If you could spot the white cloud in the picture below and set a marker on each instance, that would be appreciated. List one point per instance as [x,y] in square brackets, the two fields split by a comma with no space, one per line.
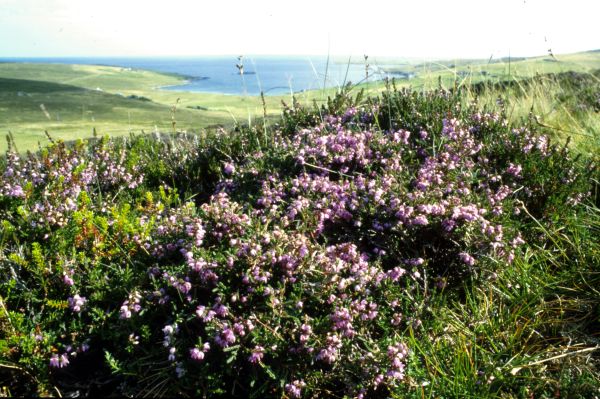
[457,28]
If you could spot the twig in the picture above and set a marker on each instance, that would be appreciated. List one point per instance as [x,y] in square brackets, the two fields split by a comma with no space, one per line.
[7,314]
[540,123]
[515,370]
[329,170]
[9,366]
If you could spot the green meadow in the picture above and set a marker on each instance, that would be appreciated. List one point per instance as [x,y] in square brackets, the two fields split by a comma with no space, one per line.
[70,101]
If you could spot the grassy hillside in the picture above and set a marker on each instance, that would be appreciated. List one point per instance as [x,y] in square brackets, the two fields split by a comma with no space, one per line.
[565,104]
[70,111]
[472,71]
[108,103]
[111,79]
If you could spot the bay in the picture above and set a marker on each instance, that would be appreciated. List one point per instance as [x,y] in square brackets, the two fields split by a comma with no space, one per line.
[273,75]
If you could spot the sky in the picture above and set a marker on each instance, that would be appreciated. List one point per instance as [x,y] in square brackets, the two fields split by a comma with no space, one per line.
[415,28]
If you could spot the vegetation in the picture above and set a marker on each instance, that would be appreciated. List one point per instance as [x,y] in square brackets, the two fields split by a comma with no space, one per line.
[110,103]
[406,244]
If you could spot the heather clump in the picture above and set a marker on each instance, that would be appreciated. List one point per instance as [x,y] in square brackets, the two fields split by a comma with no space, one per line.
[311,259]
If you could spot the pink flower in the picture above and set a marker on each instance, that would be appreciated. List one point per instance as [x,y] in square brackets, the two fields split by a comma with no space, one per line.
[514,170]
[228,169]
[63,360]
[68,280]
[466,258]
[76,303]
[196,354]
[257,354]
[54,362]
[295,388]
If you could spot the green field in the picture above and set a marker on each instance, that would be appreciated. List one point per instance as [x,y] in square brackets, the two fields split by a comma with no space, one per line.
[70,101]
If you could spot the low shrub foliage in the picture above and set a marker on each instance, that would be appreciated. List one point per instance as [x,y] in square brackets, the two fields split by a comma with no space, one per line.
[345,252]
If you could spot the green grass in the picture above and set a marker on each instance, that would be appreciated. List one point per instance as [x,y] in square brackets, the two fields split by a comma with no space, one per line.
[67,112]
[80,98]
[465,71]
[532,327]
[566,104]
[111,79]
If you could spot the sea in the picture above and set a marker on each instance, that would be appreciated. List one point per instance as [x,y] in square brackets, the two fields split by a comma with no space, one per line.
[273,75]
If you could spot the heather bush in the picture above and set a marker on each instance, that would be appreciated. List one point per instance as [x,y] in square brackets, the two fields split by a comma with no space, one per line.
[300,260]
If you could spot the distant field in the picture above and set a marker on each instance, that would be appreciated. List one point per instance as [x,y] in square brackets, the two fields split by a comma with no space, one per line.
[427,74]
[29,107]
[71,100]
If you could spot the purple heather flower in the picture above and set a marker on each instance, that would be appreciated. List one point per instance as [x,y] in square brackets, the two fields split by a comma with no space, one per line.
[180,370]
[172,352]
[64,360]
[257,354]
[17,192]
[68,280]
[295,388]
[420,220]
[378,380]
[514,170]
[124,312]
[225,338]
[228,169]
[54,362]
[414,261]
[466,258]
[221,310]
[196,354]
[76,303]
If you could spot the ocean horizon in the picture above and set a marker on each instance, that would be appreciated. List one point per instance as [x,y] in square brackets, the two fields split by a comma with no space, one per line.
[273,75]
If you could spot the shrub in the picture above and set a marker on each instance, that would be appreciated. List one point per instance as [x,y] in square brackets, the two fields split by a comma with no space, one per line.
[297,261]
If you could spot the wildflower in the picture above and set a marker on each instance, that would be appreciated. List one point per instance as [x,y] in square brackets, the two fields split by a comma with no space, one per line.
[54,361]
[63,360]
[68,280]
[76,303]
[134,339]
[172,352]
[295,388]
[225,338]
[196,354]
[420,220]
[466,258]
[514,170]
[180,370]
[257,354]
[17,192]
[228,169]
[124,312]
